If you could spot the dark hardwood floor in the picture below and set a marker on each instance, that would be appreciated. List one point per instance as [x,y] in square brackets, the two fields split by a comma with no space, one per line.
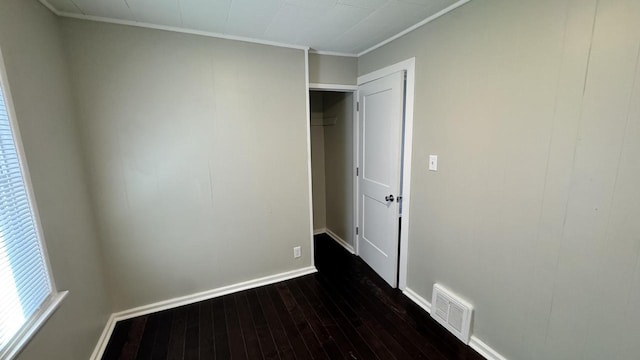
[345,311]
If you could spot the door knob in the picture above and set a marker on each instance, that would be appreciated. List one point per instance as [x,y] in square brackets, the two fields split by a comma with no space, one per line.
[389,198]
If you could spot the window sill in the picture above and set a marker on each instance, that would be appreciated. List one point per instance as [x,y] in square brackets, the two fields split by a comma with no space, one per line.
[30,329]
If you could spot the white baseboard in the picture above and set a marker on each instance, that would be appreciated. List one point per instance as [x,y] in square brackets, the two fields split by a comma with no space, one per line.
[340,241]
[190,299]
[422,302]
[475,343]
[484,349]
[319,231]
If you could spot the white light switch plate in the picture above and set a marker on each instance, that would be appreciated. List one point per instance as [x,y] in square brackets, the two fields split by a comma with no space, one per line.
[433,162]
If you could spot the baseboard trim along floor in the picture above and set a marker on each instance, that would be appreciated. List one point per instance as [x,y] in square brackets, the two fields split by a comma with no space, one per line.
[475,343]
[190,299]
[340,241]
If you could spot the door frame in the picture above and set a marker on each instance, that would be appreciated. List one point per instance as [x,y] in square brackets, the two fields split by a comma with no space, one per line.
[353,89]
[408,66]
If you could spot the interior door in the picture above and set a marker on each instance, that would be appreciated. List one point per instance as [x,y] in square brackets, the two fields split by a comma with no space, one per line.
[380,119]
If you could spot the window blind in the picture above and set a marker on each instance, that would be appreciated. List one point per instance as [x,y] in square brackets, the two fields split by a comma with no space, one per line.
[24,279]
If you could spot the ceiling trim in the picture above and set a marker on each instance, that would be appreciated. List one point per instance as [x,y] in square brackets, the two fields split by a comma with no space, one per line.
[442,12]
[332,53]
[181,30]
[450,8]
[50,7]
[171,28]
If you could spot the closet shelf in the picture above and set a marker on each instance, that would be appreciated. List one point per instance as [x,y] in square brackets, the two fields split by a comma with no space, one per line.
[323,121]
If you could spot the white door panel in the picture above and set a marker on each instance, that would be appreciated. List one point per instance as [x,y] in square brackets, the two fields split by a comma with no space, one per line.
[379,145]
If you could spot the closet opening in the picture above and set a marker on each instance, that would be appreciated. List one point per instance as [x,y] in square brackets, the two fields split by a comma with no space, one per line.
[332,116]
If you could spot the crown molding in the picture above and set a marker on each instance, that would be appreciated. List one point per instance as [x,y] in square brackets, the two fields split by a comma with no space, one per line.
[50,7]
[182,30]
[170,28]
[332,53]
[444,11]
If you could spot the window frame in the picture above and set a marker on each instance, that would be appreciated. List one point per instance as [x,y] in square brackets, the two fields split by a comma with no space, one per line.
[33,324]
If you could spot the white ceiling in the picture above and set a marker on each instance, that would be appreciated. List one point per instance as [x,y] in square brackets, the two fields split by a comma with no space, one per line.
[341,26]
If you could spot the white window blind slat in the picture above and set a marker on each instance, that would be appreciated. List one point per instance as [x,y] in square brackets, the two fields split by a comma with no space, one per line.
[14,209]
[16,224]
[27,233]
[30,267]
[35,294]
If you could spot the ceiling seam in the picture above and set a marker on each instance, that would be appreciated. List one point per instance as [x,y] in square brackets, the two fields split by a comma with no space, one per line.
[226,18]
[282,5]
[359,22]
[180,11]
[310,30]
[51,8]
[77,6]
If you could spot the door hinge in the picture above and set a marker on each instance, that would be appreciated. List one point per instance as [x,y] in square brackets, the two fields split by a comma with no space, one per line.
[358,106]
[357,171]
[357,230]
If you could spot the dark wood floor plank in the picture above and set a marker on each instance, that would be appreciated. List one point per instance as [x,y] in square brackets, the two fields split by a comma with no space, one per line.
[348,326]
[161,343]
[343,311]
[308,336]
[382,333]
[285,351]
[357,284]
[378,297]
[178,333]
[332,339]
[382,317]
[363,334]
[236,340]
[288,324]
[251,342]
[265,337]
[378,291]
[131,346]
[220,333]
[192,340]
[383,297]
[149,337]
[205,327]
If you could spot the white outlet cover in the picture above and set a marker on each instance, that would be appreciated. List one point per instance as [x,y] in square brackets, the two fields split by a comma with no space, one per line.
[297,252]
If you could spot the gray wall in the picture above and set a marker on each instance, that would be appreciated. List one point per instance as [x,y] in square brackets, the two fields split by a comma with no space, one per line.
[534,110]
[197,154]
[38,77]
[329,69]
[338,154]
[317,161]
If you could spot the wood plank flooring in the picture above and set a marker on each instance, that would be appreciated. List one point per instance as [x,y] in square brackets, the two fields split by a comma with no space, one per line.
[345,311]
